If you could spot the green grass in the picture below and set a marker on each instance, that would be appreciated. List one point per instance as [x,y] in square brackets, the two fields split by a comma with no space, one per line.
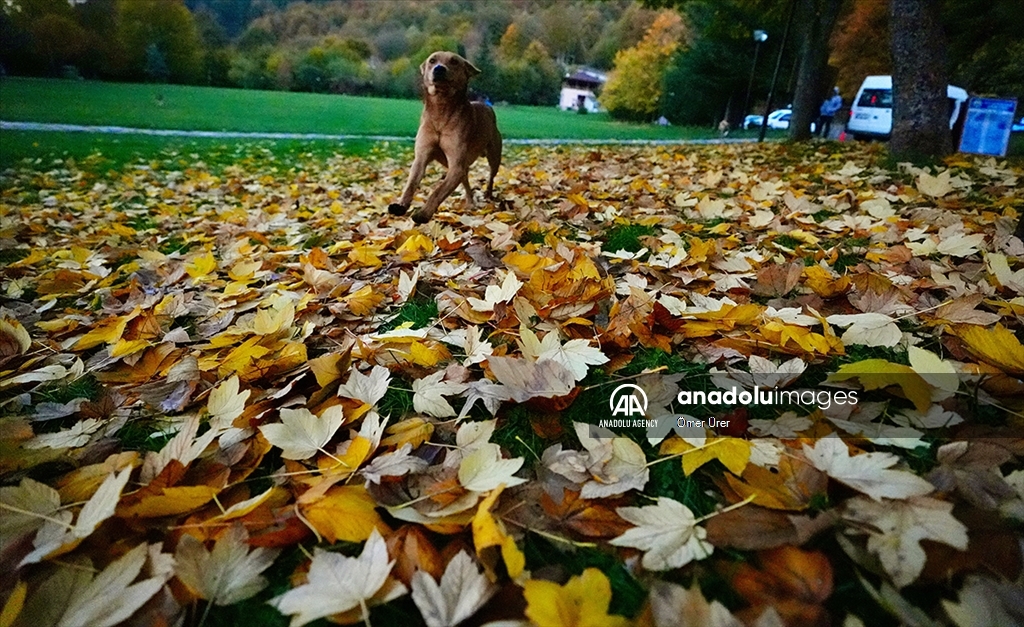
[99,152]
[219,109]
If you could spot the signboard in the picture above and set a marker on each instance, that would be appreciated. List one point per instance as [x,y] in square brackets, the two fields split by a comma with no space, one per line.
[987,126]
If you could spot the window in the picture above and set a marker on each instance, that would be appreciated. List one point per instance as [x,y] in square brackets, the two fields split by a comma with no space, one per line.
[876,98]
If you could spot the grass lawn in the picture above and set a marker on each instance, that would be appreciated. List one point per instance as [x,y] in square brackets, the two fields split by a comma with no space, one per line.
[217,109]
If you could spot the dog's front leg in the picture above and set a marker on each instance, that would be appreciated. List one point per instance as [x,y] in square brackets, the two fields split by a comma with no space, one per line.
[457,173]
[419,166]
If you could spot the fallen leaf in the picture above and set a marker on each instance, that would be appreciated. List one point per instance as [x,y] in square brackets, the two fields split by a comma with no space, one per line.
[337,584]
[870,473]
[461,592]
[582,602]
[895,529]
[667,532]
[300,434]
[229,573]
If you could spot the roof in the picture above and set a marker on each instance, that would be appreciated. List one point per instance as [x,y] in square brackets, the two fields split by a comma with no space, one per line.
[587,76]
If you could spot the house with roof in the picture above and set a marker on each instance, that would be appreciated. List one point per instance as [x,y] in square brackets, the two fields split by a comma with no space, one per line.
[580,88]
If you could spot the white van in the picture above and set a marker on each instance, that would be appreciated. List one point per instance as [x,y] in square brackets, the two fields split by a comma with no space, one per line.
[871,113]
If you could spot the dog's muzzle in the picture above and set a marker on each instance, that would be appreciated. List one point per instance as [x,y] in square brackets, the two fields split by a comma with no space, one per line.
[439,73]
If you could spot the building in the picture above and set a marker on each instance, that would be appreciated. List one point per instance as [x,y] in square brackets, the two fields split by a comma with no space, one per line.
[579,87]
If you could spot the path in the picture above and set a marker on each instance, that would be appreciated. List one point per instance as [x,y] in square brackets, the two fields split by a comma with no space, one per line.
[123,130]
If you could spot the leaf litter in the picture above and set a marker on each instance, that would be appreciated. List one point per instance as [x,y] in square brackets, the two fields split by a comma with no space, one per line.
[210,371]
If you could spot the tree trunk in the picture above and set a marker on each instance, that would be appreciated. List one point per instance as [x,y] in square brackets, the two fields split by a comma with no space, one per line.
[819,19]
[920,115]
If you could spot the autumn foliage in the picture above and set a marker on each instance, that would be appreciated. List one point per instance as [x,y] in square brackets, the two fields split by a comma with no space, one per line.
[243,389]
[633,90]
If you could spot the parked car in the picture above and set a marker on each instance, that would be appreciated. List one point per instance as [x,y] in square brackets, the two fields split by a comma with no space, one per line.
[779,120]
[753,121]
[1018,127]
[871,113]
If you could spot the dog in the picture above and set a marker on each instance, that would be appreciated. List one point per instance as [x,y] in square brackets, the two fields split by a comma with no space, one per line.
[453,131]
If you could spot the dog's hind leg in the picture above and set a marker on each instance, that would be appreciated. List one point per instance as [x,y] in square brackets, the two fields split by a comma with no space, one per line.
[494,161]
[469,192]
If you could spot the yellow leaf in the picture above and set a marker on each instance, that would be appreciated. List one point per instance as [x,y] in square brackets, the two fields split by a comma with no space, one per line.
[107,332]
[170,502]
[243,270]
[995,345]
[427,355]
[413,247]
[81,483]
[239,359]
[13,605]
[488,532]
[325,368]
[359,448]
[414,431]
[14,339]
[582,602]
[274,319]
[366,255]
[201,266]
[125,347]
[364,300]
[345,513]
[879,373]
[734,453]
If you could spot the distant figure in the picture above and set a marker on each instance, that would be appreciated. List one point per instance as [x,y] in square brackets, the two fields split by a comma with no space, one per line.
[663,121]
[723,128]
[828,110]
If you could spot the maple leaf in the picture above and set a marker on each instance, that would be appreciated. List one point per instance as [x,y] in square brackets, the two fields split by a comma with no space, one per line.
[229,573]
[575,355]
[667,532]
[869,329]
[879,373]
[733,453]
[673,605]
[870,473]
[336,583]
[489,532]
[300,434]
[57,535]
[429,392]
[462,591]
[75,596]
[582,602]
[895,530]
[342,513]
[25,508]
[997,346]
[394,464]
[494,294]
[483,469]
[368,388]
[525,379]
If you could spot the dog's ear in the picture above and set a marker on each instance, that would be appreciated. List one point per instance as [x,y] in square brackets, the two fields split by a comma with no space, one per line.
[471,69]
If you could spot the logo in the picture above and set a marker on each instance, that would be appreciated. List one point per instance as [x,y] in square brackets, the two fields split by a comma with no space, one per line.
[624,400]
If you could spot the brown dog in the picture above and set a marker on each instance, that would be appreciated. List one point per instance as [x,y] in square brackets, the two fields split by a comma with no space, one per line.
[453,131]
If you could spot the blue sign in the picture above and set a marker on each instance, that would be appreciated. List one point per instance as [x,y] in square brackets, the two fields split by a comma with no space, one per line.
[987,126]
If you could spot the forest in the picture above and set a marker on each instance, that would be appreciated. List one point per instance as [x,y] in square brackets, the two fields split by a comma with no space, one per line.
[696,64]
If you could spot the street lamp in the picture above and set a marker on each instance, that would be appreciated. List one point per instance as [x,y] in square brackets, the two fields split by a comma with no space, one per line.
[759,37]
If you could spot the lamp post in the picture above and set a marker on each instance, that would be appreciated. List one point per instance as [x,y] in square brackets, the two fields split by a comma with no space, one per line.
[775,75]
[759,37]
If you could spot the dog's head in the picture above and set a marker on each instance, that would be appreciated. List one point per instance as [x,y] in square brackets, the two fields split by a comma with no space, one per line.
[446,72]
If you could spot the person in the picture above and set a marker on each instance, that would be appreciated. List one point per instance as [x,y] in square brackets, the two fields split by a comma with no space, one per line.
[828,110]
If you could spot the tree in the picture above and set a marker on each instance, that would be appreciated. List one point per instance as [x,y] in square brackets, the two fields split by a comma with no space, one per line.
[633,90]
[920,120]
[168,24]
[860,45]
[819,20]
